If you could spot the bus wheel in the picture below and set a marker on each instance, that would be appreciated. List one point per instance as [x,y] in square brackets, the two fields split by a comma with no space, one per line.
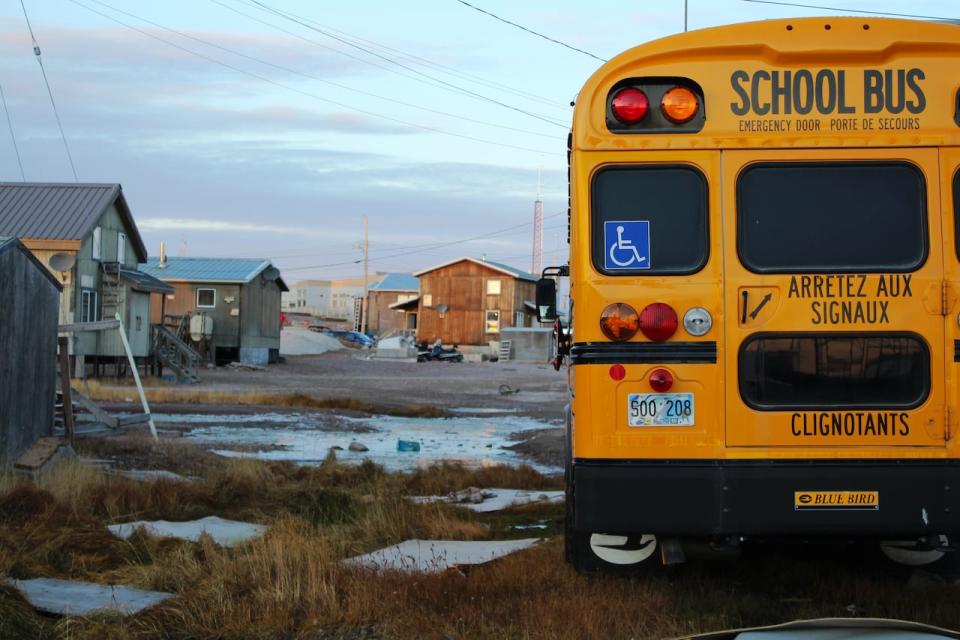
[606,553]
[911,553]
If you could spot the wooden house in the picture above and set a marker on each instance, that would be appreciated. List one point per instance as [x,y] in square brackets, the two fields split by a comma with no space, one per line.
[467,301]
[86,237]
[383,316]
[239,300]
[28,342]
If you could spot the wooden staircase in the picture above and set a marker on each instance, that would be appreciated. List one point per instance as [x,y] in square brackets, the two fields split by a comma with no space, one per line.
[506,346]
[175,354]
[113,299]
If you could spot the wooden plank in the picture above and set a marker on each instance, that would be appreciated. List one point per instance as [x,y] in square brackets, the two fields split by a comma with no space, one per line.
[136,418]
[78,327]
[95,409]
[42,451]
[64,345]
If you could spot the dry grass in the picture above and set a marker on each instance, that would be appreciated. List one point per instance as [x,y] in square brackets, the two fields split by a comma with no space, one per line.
[289,583]
[166,393]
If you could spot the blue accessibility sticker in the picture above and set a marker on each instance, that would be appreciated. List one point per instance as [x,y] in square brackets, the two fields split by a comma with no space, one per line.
[626,245]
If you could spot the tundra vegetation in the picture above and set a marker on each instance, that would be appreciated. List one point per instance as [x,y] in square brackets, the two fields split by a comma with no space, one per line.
[289,583]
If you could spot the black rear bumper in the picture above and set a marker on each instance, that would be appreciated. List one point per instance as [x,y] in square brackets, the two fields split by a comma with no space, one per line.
[752,498]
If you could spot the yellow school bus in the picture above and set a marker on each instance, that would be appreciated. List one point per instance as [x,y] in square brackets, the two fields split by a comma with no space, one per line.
[764,270]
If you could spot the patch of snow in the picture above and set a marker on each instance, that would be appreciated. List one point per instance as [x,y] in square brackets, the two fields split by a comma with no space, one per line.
[224,532]
[295,341]
[502,499]
[434,556]
[68,597]
[152,474]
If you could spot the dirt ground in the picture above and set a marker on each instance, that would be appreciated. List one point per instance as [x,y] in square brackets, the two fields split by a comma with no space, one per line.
[538,390]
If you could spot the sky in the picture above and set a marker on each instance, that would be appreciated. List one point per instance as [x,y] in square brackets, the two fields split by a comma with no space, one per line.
[238,131]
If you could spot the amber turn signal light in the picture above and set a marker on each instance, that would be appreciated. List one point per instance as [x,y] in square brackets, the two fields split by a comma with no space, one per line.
[619,322]
[679,105]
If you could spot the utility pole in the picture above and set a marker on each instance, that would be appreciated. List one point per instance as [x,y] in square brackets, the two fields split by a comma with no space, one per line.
[366,262]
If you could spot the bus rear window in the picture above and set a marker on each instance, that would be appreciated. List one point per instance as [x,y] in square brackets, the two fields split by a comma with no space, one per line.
[835,370]
[839,217]
[649,220]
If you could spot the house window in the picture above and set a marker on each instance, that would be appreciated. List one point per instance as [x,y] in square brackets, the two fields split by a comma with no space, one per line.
[492,321]
[493,287]
[89,309]
[520,320]
[428,299]
[97,253]
[121,248]
[206,298]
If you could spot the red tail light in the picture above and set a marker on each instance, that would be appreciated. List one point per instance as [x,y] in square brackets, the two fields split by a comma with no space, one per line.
[630,105]
[618,372]
[661,380]
[658,321]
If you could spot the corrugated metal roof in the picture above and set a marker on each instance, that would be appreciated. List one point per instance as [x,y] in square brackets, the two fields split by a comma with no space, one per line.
[59,211]
[227,270]
[145,282]
[397,282]
[498,266]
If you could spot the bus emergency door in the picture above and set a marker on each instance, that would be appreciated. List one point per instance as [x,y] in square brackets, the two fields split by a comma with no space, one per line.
[834,294]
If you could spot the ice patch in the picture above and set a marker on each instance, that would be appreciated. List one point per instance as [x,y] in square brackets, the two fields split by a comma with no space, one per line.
[503,499]
[67,597]
[434,556]
[224,532]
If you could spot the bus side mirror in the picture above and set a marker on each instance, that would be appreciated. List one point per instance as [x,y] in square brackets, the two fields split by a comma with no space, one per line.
[546,300]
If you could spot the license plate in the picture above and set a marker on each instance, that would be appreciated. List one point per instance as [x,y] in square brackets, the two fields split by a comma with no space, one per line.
[660,409]
[817,500]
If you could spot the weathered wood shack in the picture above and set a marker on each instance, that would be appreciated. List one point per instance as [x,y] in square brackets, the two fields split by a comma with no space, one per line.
[382,317]
[86,237]
[28,342]
[241,297]
[467,301]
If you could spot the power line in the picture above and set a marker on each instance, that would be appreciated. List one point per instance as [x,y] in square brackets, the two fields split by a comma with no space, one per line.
[873,13]
[262,78]
[43,72]
[423,248]
[450,85]
[531,31]
[16,149]
[317,78]
[404,54]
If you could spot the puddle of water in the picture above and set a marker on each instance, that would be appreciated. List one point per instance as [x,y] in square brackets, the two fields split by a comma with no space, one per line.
[474,441]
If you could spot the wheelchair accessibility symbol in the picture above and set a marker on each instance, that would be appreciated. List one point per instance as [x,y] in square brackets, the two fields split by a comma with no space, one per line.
[627,245]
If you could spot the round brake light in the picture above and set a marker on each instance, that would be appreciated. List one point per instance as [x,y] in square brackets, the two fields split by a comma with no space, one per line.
[619,322]
[658,321]
[630,105]
[679,105]
[661,380]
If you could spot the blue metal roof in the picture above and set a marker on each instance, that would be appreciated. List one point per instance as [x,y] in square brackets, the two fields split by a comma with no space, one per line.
[227,270]
[397,282]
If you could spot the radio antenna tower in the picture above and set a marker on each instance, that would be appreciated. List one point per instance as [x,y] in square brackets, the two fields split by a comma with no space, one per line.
[537,263]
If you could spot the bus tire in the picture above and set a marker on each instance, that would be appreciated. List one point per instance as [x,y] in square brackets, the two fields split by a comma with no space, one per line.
[910,554]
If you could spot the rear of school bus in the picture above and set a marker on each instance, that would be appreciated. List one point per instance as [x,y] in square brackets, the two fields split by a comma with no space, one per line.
[764,281]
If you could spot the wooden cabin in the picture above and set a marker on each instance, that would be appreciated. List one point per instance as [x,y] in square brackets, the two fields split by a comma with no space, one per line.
[467,301]
[86,237]
[382,316]
[28,342]
[239,299]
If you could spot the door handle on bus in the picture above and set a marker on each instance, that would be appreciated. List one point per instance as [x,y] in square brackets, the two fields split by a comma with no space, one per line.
[743,315]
